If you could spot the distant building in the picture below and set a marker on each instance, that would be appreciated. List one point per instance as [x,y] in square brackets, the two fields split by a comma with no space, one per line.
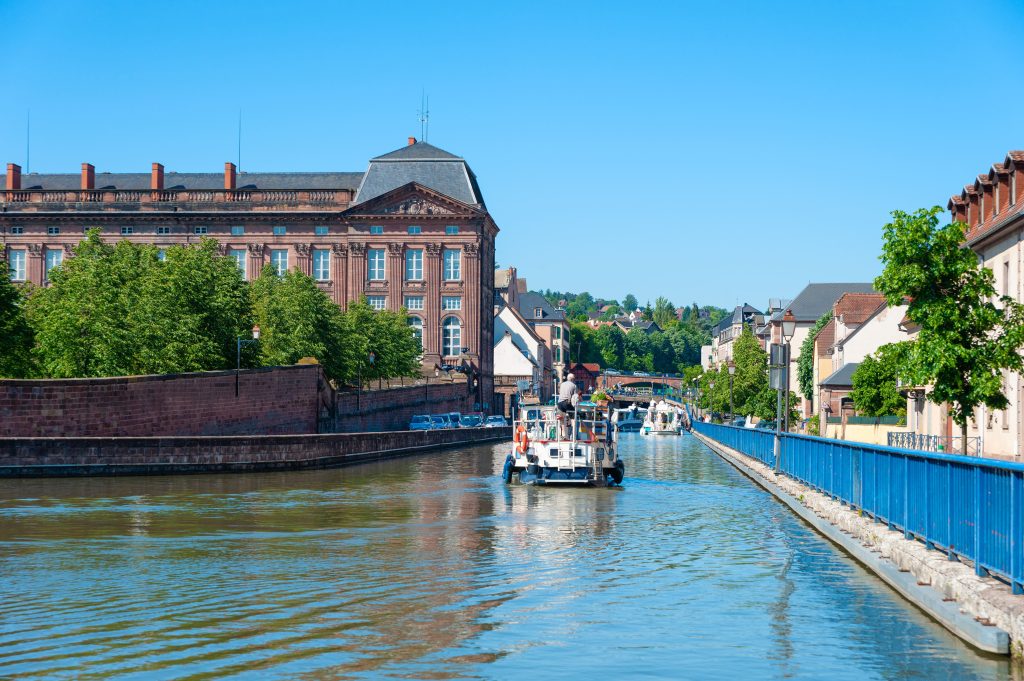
[730,328]
[585,376]
[412,232]
[550,324]
[520,354]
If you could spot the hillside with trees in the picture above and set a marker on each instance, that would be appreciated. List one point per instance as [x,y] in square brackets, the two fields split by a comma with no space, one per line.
[671,350]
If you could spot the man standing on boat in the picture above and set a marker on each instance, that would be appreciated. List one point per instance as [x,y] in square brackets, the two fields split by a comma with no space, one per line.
[567,397]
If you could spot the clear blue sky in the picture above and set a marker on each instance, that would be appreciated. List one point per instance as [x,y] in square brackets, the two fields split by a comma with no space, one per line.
[718,152]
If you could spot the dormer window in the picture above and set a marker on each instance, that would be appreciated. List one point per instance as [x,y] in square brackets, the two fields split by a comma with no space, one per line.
[538,313]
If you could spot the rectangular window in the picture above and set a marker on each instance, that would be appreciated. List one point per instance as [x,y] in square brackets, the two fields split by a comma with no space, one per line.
[279,260]
[280,230]
[413,229]
[1006,278]
[376,229]
[451,229]
[163,230]
[53,231]
[237,230]
[320,230]
[451,302]
[16,265]
[377,302]
[17,230]
[54,257]
[452,265]
[414,302]
[375,264]
[239,255]
[127,231]
[161,254]
[413,265]
[200,230]
[558,333]
[321,264]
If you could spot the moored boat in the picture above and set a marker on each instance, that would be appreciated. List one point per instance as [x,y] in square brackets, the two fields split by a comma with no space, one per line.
[552,448]
[662,419]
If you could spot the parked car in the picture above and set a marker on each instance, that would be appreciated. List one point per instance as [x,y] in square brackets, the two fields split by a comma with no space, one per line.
[439,422]
[495,422]
[640,373]
[455,418]
[421,423]
[766,425]
[739,421]
[474,420]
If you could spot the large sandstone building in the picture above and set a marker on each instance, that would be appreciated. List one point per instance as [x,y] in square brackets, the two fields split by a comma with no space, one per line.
[411,232]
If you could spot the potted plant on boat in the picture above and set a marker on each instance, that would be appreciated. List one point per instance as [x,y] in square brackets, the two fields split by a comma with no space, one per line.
[600,398]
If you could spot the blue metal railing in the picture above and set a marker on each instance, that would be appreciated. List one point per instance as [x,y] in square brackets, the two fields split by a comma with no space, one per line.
[969,508]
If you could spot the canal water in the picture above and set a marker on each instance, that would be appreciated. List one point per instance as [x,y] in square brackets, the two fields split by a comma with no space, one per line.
[430,567]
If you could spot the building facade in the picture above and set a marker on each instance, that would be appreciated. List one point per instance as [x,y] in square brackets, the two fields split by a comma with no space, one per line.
[992,207]
[411,232]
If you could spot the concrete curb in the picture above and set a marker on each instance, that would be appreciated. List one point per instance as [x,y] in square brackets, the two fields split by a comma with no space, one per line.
[899,566]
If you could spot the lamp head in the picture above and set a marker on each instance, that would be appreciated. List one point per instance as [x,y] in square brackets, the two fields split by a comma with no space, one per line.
[788,326]
[732,368]
[256,332]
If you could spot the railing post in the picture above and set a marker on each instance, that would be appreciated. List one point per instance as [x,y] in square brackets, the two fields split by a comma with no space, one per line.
[949,512]
[978,569]
[906,498]
[1014,544]
[888,490]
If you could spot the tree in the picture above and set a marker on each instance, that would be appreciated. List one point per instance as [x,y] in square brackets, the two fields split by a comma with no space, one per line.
[16,337]
[968,335]
[875,383]
[664,313]
[611,344]
[805,362]
[629,303]
[297,320]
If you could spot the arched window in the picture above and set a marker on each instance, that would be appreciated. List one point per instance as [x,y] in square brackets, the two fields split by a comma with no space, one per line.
[417,328]
[451,337]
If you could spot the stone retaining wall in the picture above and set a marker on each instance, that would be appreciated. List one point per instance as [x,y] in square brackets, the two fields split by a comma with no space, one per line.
[393,408]
[44,457]
[272,400]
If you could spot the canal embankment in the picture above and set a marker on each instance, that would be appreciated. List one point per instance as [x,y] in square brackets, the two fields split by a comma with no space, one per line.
[79,456]
[982,611]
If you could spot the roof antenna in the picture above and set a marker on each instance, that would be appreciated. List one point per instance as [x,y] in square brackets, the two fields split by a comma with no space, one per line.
[239,140]
[28,141]
[424,116]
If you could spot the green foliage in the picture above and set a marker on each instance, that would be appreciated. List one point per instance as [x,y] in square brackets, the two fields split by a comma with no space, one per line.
[16,337]
[968,336]
[805,362]
[118,310]
[664,313]
[814,425]
[629,303]
[875,383]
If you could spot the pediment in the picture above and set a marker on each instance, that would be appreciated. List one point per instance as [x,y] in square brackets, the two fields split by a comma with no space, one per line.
[413,200]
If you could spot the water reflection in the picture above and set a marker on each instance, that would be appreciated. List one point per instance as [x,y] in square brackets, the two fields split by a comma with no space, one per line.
[430,567]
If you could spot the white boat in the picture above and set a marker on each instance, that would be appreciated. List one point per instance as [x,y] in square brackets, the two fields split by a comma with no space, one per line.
[628,420]
[662,419]
[552,448]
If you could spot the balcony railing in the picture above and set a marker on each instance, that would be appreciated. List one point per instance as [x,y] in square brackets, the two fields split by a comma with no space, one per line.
[227,199]
[933,443]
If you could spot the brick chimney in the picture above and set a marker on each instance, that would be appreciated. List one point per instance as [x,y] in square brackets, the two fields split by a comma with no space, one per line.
[88,176]
[156,178]
[13,177]
[229,176]
[1000,177]
[412,141]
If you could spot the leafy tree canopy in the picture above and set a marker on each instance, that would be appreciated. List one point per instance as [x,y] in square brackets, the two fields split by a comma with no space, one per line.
[875,383]
[805,362]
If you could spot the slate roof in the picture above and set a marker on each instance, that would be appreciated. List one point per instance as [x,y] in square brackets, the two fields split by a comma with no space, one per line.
[842,378]
[205,181]
[425,164]
[529,301]
[817,299]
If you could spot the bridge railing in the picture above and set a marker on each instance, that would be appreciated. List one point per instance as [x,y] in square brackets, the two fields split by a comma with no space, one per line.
[971,509]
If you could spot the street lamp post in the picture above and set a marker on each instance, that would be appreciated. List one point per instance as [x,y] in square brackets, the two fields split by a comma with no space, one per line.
[788,329]
[732,371]
[238,351]
[711,398]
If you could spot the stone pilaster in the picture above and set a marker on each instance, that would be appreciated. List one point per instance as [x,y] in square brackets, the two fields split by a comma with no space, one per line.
[471,278]
[432,304]
[304,259]
[34,267]
[339,273]
[356,270]
[396,274]
[255,261]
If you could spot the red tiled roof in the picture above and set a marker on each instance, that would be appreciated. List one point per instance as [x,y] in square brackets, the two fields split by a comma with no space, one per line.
[1016,155]
[855,308]
[826,337]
